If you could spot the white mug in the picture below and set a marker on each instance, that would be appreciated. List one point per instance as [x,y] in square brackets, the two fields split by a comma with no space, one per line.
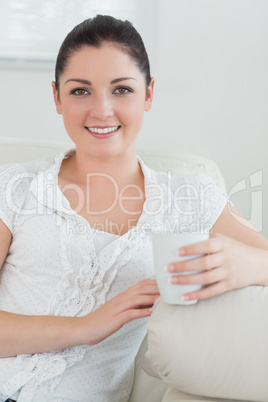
[165,247]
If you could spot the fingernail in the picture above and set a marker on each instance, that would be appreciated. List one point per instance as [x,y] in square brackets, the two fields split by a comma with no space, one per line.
[170,268]
[181,251]
[185,298]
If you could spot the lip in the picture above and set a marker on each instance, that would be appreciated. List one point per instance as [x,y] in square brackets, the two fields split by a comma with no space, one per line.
[105,135]
[116,125]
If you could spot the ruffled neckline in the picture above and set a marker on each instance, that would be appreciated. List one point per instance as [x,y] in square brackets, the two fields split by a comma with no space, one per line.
[46,188]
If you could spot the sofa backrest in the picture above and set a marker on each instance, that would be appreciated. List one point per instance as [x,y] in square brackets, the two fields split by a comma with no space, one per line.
[176,162]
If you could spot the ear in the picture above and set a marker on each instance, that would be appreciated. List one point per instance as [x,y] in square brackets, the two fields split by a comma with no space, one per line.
[149,95]
[56,98]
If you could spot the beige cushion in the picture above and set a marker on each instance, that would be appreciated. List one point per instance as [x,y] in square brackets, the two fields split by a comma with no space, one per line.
[173,395]
[216,348]
[145,387]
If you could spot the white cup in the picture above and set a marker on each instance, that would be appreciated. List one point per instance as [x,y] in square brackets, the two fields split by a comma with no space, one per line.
[165,247]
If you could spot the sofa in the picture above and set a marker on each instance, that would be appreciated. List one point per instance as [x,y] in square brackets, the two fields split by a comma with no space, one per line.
[191,353]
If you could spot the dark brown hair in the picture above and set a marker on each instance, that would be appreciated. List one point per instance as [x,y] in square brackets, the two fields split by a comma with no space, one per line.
[98,30]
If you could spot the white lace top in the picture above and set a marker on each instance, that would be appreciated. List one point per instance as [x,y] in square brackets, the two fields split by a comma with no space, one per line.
[58,265]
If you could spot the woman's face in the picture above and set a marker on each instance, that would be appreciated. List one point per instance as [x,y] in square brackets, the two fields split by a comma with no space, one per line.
[102,97]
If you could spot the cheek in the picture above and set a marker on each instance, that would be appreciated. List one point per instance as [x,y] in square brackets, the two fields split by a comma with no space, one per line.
[73,120]
[73,112]
[133,112]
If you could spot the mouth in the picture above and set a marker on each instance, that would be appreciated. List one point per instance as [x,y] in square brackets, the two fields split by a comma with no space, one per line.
[104,131]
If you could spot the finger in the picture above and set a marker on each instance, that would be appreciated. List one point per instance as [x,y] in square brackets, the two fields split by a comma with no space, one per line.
[213,245]
[145,301]
[145,287]
[205,262]
[135,302]
[148,282]
[207,292]
[134,314]
[203,278]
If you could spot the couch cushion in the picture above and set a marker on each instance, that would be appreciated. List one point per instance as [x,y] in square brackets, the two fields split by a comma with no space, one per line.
[174,395]
[215,348]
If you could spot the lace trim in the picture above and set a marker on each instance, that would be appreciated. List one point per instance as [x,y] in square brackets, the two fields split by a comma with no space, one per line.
[39,368]
[80,291]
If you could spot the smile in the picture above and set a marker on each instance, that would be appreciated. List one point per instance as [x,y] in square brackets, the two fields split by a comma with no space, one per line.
[105,130]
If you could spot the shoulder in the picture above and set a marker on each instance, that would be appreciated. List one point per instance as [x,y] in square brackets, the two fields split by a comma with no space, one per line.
[196,182]
[27,167]
[187,199]
[178,181]
[15,184]
[24,171]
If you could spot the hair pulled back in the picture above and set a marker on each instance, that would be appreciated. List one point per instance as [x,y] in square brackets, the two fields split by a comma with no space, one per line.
[98,30]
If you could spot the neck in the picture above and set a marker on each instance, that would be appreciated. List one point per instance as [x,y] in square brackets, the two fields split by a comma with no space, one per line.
[124,168]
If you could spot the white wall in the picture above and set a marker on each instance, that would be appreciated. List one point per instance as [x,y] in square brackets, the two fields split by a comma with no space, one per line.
[210,61]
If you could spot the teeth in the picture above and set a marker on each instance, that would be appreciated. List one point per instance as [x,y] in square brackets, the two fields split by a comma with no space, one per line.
[103,130]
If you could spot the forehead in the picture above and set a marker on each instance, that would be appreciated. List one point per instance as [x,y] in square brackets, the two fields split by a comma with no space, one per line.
[108,60]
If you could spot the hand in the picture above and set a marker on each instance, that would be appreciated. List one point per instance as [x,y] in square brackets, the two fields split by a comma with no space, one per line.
[135,302]
[227,265]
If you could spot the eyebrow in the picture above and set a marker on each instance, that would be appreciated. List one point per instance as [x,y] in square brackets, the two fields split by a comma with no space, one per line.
[86,82]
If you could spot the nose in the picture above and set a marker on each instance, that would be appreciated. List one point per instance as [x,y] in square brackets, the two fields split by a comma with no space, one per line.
[101,107]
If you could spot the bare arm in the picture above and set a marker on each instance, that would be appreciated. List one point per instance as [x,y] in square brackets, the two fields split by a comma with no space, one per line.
[5,240]
[22,334]
[36,334]
[232,224]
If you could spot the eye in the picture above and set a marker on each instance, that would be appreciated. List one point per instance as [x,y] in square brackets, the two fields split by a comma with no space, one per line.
[80,92]
[122,90]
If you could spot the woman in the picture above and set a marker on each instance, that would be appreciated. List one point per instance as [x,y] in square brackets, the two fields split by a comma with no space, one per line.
[75,232]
